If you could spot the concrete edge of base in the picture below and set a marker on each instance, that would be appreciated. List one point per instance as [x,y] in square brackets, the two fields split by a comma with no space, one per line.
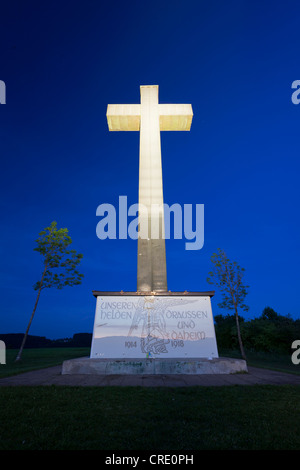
[192,366]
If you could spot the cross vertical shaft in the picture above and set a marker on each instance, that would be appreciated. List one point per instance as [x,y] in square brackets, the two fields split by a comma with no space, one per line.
[151,270]
[149,118]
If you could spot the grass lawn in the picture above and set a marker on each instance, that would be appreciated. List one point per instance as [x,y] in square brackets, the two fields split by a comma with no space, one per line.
[264,360]
[33,359]
[136,418]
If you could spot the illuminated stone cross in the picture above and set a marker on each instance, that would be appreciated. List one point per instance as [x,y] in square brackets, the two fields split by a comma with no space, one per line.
[149,118]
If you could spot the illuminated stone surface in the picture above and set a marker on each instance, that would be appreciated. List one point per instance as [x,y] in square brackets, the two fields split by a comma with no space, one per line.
[156,326]
[149,118]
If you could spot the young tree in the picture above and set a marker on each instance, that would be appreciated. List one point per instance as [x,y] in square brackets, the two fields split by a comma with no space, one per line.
[227,276]
[59,265]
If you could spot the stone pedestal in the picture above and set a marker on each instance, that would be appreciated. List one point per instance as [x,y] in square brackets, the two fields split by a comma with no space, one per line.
[165,333]
[172,366]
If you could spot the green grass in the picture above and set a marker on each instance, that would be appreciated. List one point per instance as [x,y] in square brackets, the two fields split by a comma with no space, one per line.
[33,359]
[136,418]
[264,360]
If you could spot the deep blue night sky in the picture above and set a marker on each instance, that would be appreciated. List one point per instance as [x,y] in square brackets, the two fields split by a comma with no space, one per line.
[64,61]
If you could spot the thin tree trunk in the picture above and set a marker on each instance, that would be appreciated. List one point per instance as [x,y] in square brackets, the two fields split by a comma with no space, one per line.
[236,312]
[18,358]
[239,334]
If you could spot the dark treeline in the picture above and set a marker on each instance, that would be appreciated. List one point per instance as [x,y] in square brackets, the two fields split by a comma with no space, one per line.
[13,341]
[271,332]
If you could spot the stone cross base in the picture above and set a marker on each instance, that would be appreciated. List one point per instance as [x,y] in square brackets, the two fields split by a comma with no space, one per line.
[83,366]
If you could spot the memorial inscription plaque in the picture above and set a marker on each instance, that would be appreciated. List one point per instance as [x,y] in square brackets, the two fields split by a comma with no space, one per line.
[153,326]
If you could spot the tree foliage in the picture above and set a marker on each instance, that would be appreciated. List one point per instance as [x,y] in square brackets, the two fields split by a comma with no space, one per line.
[270,332]
[228,277]
[60,265]
[225,326]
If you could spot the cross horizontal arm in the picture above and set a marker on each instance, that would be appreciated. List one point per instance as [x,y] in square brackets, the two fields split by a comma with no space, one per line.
[123,117]
[175,117]
[127,117]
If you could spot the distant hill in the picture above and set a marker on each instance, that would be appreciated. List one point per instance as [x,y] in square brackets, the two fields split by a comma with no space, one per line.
[14,340]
